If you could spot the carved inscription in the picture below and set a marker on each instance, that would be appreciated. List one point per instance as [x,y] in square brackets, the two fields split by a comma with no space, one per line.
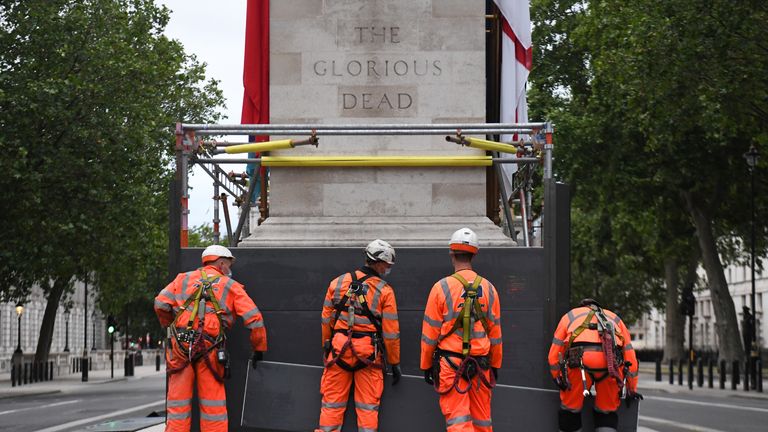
[377,101]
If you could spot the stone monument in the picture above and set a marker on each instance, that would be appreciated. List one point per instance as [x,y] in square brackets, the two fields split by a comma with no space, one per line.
[376,61]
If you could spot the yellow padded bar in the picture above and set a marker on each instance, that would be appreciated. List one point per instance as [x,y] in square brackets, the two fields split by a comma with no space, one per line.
[260,147]
[375,161]
[491,145]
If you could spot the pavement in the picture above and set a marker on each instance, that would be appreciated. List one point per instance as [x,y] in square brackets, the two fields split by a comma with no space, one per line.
[647,381]
[72,382]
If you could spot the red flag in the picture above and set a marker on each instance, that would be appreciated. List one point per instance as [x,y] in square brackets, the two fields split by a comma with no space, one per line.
[256,64]
[256,78]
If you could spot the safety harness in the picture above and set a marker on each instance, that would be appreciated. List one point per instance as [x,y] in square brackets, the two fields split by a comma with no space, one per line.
[354,303]
[607,345]
[468,367]
[192,341]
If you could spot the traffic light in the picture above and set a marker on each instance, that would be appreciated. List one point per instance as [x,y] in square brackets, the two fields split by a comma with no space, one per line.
[111,324]
[688,303]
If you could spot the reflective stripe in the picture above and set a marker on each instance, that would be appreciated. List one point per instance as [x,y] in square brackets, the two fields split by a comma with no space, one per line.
[570,314]
[389,316]
[182,296]
[179,416]
[485,423]
[628,347]
[554,367]
[604,429]
[362,429]
[365,406]
[632,374]
[496,341]
[473,334]
[391,335]
[450,313]
[325,320]
[163,306]
[333,405]
[224,293]
[616,319]
[330,428]
[457,420]
[213,402]
[428,341]
[255,324]
[327,303]
[491,298]
[566,408]
[337,290]
[359,319]
[558,342]
[377,295]
[179,402]
[431,322]
[251,313]
[213,417]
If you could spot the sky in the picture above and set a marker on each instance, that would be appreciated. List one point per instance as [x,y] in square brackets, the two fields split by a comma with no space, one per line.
[214,31]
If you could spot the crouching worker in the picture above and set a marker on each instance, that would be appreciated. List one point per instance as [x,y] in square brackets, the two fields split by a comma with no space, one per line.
[592,347]
[461,347]
[361,334]
[197,307]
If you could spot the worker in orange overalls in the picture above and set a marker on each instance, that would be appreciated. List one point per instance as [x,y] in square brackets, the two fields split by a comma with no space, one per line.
[592,346]
[197,307]
[461,346]
[361,334]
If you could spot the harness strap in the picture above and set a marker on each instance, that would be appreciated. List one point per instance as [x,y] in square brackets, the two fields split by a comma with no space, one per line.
[469,310]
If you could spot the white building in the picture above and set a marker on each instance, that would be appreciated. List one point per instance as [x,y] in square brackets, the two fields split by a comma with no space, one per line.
[649,331]
[32,319]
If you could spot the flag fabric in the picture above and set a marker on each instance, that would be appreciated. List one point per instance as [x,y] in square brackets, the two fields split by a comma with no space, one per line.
[256,76]
[516,62]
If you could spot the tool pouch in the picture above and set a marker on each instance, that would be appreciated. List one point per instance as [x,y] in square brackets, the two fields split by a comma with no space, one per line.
[574,357]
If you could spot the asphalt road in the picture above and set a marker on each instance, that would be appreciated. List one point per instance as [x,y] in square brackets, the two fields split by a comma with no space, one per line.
[683,411]
[76,410]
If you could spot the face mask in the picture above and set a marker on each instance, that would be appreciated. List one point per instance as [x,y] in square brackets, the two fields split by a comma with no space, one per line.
[228,274]
[386,272]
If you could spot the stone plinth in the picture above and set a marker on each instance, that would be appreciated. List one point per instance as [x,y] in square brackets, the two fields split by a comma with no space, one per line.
[375,61]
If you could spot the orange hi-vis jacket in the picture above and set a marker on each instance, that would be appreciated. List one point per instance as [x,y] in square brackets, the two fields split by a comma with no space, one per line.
[445,301]
[232,298]
[381,301]
[593,356]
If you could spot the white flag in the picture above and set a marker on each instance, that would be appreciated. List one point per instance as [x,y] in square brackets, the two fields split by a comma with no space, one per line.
[516,61]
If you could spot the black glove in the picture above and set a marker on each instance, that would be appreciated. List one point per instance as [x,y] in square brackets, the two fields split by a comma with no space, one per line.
[428,377]
[257,357]
[495,372]
[561,383]
[396,374]
[631,395]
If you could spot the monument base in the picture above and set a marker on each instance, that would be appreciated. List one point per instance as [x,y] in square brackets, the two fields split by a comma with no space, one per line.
[431,231]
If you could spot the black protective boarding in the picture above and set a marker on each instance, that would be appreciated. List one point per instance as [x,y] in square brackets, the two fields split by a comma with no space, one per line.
[286,397]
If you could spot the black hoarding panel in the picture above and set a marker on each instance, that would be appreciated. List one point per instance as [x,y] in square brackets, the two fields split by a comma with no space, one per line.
[285,397]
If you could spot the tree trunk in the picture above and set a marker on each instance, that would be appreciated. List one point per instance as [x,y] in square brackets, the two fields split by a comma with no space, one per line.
[49,320]
[673,346]
[726,326]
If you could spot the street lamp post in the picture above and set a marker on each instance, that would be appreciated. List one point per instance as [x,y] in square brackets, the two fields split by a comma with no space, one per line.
[66,330]
[93,333]
[752,156]
[19,312]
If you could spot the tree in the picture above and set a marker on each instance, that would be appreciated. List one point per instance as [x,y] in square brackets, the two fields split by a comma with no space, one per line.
[88,92]
[663,97]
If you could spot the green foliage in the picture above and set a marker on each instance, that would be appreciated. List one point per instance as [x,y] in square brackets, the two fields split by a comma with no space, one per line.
[202,236]
[652,101]
[89,91]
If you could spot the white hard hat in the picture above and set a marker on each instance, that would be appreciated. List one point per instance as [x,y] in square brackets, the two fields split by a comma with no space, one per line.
[379,250]
[464,240]
[214,252]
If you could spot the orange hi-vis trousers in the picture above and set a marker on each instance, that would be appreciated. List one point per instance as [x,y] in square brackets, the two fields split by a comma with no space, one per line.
[465,412]
[335,385]
[210,392]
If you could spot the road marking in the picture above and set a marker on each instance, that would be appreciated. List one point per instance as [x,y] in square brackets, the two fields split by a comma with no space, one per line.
[692,428]
[708,404]
[38,407]
[101,417]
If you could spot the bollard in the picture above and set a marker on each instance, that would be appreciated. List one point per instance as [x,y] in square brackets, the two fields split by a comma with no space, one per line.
[50,377]
[759,375]
[13,375]
[700,370]
[721,372]
[746,375]
[680,372]
[734,375]
[710,366]
[658,370]
[671,372]
[690,374]
[45,371]
[157,362]
[26,370]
